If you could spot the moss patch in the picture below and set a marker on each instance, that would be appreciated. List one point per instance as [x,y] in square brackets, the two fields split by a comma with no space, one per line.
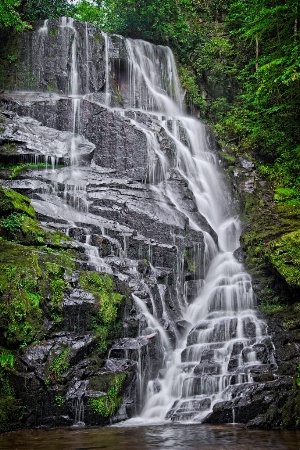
[106,322]
[284,256]
[271,243]
[32,284]
[13,202]
[59,364]
[108,405]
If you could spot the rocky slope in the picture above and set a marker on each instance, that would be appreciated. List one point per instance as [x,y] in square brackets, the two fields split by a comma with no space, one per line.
[55,365]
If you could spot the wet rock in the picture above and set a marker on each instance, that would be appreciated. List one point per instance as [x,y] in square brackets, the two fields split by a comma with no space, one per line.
[207,368]
[187,409]
[251,401]
[233,363]
[193,288]
[239,255]
[183,326]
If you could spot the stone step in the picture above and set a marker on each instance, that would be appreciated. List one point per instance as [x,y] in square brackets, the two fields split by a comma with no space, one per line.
[207,368]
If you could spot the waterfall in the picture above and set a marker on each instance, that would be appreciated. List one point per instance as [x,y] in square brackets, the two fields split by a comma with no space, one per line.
[142,193]
[219,349]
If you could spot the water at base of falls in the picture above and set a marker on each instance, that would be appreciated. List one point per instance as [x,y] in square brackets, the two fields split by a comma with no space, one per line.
[224,343]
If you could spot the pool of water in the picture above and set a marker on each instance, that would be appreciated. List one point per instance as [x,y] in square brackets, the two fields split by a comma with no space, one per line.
[160,437]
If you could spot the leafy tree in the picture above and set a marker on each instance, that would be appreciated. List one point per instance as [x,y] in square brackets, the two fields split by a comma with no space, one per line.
[87,11]
[266,37]
[33,10]
[10,16]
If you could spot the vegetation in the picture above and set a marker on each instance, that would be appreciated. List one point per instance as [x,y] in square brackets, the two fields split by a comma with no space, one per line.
[58,366]
[105,323]
[10,15]
[239,62]
[33,265]
[107,405]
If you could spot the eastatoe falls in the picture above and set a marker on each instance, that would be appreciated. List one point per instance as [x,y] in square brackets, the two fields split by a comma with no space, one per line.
[137,303]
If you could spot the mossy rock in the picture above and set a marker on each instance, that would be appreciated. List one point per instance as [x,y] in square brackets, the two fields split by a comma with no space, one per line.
[21,314]
[284,256]
[109,307]
[32,285]
[13,202]
[8,149]
[270,232]
[112,384]
[10,407]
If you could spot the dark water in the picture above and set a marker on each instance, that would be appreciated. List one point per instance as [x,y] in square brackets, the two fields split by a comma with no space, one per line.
[173,437]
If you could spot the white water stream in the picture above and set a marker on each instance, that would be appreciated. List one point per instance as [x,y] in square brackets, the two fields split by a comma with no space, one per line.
[223,320]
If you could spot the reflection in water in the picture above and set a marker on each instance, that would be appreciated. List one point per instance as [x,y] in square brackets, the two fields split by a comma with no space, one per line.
[172,437]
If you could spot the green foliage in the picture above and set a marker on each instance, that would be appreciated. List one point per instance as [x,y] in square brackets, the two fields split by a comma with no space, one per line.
[20,308]
[32,282]
[17,169]
[108,405]
[59,400]
[55,274]
[10,16]
[11,202]
[101,286]
[272,305]
[87,11]
[33,10]
[7,359]
[297,376]
[284,255]
[59,365]
[265,38]
[13,223]
[105,323]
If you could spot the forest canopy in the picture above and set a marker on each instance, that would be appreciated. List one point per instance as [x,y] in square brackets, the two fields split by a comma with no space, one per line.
[238,60]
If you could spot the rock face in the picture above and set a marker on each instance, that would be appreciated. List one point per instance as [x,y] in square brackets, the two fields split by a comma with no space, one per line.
[94,188]
[118,170]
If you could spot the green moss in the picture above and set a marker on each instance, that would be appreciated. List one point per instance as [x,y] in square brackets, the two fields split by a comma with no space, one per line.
[20,305]
[101,286]
[98,37]
[108,405]
[190,260]
[7,359]
[11,201]
[59,400]
[9,148]
[32,284]
[284,255]
[105,323]
[13,223]
[17,169]
[271,244]
[59,365]
[270,307]
[228,158]
[117,92]
[297,376]
[53,31]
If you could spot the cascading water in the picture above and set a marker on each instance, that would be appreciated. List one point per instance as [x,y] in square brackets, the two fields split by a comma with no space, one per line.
[208,335]
[219,349]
